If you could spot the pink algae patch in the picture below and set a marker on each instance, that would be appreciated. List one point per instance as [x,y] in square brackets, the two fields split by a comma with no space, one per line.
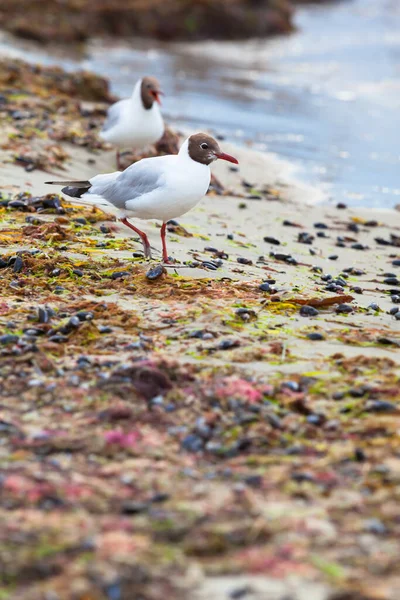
[119,438]
[234,387]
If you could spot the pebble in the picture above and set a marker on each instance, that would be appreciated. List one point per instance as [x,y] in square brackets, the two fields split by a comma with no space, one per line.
[394,310]
[321,234]
[341,205]
[344,308]
[353,227]
[391,281]
[18,264]
[85,315]
[130,507]
[375,526]
[272,240]
[228,344]
[308,311]
[338,396]
[320,226]
[397,316]
[395,299]
[192,443]
[315,336]
[104,329]
[359,455]
[120,274]
[229,236]
[8,338]
[287,258]
[287,223]
[333,257]
[357,289]
[396,262]
[291,385]
[155,272]
[380,406]
[80,221]
[265,287]
[359,247]
[78,272]
[58,338]
[244,261]
[374,306]
[326,277]
[305,238]
[315,419]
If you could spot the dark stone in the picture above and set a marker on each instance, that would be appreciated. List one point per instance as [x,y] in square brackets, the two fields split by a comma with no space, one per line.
[308,311]
[380,406]
[320,226]
[8,338]
[192,443]
[374,306]
[333,257]
[228,344]
[120,274]
[18,264]
[265,287]
[104,329]
[130,507]
[244,261]
[396,262]
[78,272]
[344,308]
[155,272]
[391,281]
[272,240]
[315,336]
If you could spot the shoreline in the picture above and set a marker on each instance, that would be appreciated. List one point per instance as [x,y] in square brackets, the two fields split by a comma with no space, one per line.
[192,434]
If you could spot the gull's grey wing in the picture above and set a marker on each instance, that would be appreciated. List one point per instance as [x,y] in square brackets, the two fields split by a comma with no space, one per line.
[137,180]
[113,114]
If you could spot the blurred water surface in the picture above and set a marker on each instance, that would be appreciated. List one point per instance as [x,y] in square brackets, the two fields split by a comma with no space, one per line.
[326,97]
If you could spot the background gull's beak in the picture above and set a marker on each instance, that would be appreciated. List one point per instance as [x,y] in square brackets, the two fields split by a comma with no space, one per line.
[156,94]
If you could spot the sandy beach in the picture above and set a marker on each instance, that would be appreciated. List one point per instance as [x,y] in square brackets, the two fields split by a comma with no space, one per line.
[230,425]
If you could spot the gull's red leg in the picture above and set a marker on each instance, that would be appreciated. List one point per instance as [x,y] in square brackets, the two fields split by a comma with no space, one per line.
[142,235]
[164,243]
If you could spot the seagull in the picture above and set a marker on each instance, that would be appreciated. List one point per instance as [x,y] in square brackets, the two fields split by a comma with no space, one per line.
[136,121]
[161,187]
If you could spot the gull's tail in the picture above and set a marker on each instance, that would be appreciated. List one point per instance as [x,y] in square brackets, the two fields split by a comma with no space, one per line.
[73,189]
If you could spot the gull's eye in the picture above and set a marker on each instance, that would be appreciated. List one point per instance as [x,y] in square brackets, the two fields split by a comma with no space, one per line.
[204,146]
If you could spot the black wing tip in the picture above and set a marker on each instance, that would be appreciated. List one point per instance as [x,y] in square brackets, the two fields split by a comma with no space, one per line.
[74,192]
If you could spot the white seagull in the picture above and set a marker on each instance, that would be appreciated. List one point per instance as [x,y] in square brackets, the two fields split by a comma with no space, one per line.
[135,122]
[162,187]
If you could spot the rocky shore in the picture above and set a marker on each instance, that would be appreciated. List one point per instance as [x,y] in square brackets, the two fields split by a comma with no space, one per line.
[224,429]
[75,21]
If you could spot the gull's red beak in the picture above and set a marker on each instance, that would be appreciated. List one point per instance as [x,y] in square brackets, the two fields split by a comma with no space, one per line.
[156,95]
[227,157]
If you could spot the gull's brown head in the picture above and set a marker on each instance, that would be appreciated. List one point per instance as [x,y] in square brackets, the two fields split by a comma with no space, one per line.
[204,149]
[150,91]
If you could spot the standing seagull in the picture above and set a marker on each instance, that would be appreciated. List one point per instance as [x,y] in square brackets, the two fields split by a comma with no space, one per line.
[135,122]
[162,187]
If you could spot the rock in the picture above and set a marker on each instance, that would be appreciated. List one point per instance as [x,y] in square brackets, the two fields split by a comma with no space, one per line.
[380,406]
[192,443]
[308,311]
[315,336]
[8,338]
[155,272]
[272,240]
[344,308]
